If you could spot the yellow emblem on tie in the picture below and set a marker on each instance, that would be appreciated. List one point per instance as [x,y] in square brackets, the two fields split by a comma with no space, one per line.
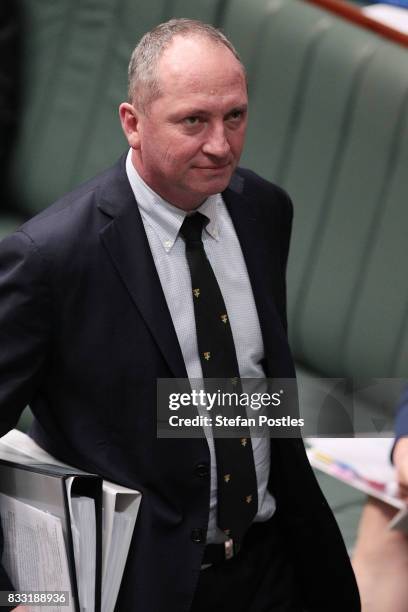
[207,355]
[234,381]
[224,318]
[196,293]
[244,441]
[227,477]
[248,499]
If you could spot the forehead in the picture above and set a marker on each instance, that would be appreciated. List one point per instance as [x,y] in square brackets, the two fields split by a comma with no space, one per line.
[197,65]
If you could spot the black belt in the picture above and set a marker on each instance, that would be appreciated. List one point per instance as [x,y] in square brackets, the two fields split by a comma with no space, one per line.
[217,553]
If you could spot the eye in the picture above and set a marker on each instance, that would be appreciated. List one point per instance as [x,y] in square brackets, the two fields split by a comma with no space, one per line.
[193,120]
[235,115]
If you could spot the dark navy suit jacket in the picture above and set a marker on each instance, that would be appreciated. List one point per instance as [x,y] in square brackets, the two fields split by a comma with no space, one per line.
[401,421]
[85,332]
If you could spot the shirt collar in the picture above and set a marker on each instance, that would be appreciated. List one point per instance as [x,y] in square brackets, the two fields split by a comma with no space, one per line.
[164,218]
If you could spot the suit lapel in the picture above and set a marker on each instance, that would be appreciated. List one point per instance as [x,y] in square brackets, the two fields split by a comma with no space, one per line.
[126,242]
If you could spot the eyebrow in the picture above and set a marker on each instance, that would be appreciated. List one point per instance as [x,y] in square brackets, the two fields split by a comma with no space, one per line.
[193,112]
[240,107]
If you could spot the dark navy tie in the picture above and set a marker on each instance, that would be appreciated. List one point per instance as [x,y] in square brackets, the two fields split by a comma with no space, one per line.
[237,496]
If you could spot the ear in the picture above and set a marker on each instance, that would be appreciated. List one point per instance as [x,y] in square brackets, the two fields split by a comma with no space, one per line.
[129,118]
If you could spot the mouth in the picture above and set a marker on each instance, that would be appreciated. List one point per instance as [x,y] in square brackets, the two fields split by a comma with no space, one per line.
[214,168]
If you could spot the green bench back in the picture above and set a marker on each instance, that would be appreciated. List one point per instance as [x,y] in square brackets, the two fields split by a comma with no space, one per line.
[75,75]
[329,123]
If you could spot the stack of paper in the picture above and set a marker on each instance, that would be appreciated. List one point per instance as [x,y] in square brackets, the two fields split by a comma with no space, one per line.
[362,463]
[35,554]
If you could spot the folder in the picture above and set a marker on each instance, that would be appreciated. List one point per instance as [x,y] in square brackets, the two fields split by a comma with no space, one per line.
[120,507]
[40,508]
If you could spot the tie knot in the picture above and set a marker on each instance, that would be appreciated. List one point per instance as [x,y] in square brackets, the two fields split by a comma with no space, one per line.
[192,228]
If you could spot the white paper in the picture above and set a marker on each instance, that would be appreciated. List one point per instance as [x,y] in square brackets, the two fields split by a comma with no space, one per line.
[370,457]
[371,470]
[34,555]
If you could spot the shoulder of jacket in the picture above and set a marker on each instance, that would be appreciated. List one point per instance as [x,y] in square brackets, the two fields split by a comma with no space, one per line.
[75,211]
[250,183]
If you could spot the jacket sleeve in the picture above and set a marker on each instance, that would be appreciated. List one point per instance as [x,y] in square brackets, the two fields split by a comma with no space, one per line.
[24,333]
[24,325]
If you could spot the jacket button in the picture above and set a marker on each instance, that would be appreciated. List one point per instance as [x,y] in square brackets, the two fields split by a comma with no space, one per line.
[197,535]
[202,470]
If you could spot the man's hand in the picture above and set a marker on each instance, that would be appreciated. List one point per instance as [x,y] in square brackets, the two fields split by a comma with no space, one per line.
[400,458]
[19,609]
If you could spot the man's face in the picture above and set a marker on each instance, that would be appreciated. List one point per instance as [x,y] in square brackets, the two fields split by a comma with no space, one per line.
[190,139]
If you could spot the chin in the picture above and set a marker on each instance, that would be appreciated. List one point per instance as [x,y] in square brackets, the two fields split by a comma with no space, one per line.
[213,189]
[217,184]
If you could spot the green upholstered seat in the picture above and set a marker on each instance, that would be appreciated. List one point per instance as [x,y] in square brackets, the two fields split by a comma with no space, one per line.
[354,209]
[8,225]
[75,65]
[328,121]
[277,63]
[384,328]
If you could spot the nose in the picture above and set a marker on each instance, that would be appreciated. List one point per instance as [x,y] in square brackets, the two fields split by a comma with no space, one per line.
[216,143]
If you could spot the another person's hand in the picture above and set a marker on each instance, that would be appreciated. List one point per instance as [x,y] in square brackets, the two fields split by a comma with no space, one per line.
[400,459]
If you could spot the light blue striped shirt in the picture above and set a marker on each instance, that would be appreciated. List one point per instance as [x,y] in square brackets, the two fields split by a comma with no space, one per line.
[162,222]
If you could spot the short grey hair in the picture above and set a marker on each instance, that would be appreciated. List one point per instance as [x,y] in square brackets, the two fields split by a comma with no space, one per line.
[143,80]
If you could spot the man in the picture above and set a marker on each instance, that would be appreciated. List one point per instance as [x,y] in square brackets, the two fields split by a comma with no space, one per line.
[97,301]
